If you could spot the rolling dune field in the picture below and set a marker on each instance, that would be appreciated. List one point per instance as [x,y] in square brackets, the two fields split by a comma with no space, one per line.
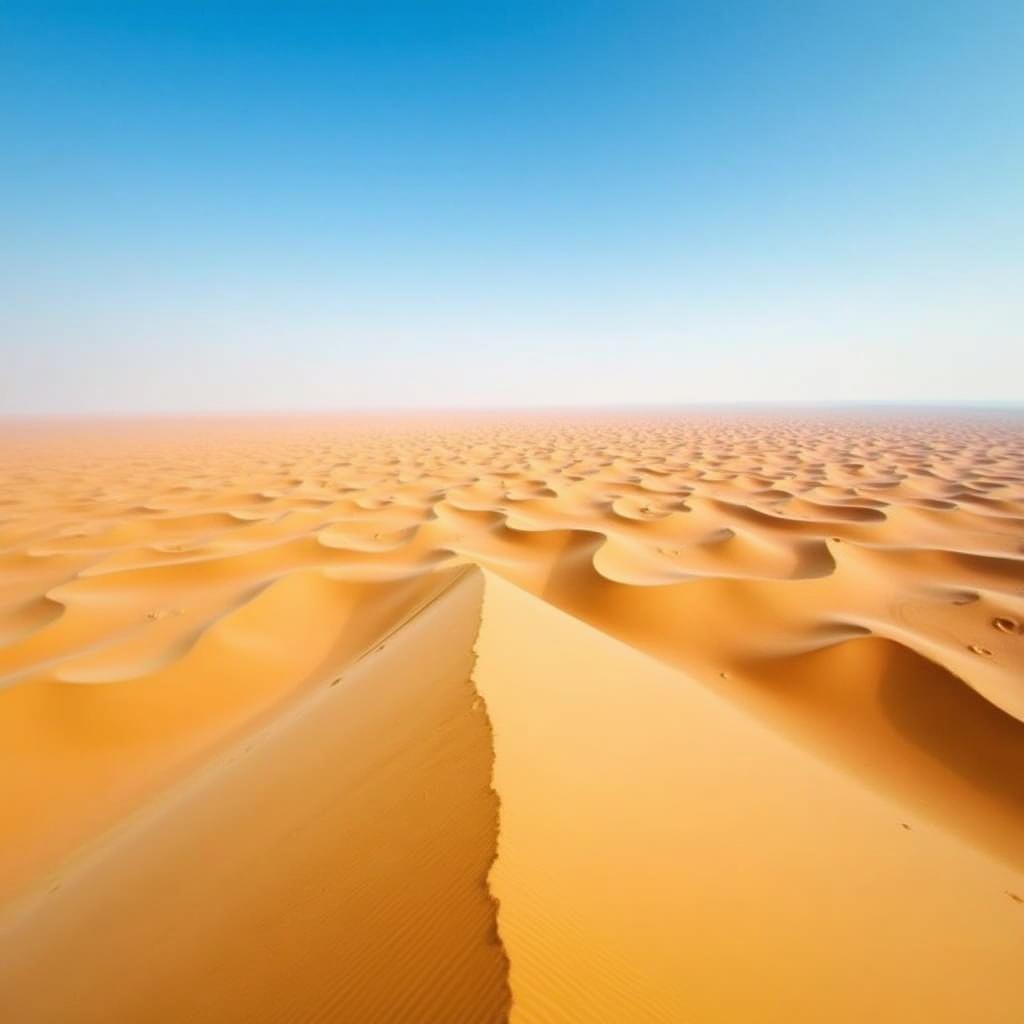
[703,717]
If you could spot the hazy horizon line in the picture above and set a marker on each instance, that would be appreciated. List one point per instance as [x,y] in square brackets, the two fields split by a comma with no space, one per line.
[962,405]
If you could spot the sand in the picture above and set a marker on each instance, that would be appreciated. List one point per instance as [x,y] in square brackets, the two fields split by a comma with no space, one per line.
[540,718]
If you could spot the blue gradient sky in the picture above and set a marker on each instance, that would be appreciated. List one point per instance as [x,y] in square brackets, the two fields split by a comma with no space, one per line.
[213,206]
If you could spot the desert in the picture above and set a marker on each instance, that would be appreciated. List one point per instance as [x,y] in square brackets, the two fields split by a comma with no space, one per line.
[561,717]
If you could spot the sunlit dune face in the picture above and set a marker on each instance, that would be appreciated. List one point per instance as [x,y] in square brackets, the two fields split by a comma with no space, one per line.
[854,583]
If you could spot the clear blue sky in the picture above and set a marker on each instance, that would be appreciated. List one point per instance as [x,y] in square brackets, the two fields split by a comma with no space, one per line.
[213,206]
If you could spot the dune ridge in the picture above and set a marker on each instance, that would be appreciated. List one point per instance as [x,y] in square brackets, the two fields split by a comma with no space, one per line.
[845,591]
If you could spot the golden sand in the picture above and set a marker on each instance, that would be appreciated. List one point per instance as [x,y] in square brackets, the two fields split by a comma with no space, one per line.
[541,718]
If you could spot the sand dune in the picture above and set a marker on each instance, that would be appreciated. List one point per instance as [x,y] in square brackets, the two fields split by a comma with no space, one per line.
[244,741]
[329,864]
[738,879]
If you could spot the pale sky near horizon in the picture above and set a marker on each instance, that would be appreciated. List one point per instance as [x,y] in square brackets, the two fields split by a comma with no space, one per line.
[258,206]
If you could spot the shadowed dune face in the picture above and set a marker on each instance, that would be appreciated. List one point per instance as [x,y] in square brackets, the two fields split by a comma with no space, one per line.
[107,725]
[332,865]
[169,590]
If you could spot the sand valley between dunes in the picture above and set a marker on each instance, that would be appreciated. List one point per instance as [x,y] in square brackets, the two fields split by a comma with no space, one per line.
[568,719]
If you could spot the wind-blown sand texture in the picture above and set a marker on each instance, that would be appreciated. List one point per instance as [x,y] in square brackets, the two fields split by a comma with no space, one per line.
[546,719]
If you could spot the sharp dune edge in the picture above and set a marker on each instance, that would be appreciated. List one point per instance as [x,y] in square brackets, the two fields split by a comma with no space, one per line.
[540,719]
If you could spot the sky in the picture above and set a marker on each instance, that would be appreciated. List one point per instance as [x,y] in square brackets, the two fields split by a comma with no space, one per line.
[218,207]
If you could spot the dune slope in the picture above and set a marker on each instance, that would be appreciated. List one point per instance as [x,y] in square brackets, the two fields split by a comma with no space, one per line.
[329,866]
[662,857]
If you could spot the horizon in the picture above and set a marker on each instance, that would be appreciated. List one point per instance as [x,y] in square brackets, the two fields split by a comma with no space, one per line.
[468,411]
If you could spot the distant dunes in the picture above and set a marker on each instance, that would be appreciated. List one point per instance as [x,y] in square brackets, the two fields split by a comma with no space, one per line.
[542,720]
